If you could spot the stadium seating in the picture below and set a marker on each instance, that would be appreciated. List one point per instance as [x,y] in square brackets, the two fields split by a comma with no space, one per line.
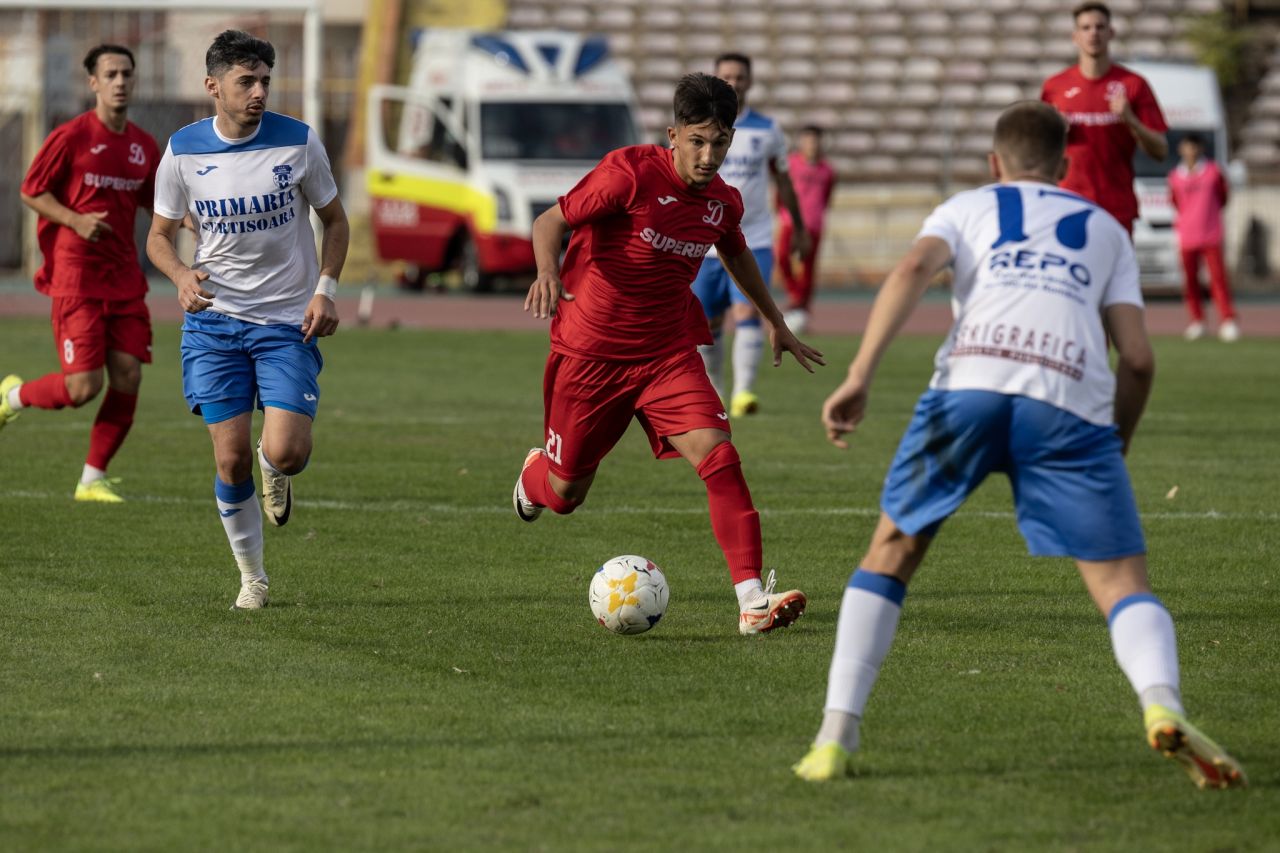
[896,60]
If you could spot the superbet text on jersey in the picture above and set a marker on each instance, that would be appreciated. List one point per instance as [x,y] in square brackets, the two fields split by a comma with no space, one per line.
[90,169]
[639,236]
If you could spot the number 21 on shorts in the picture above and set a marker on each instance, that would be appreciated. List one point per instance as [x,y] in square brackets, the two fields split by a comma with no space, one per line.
[555,444]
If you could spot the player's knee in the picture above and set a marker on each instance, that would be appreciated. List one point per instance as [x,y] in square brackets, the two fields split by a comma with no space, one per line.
[290,459]
[83,387]
[234,467]
[127,378]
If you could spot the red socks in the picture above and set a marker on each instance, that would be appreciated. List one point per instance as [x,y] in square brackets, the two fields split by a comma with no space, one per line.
[47,392]
[733,516]
[112,424]
[538,489]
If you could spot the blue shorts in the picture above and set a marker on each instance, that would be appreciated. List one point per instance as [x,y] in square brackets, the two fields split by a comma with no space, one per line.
[715,288]
[229,365]
[1071,489]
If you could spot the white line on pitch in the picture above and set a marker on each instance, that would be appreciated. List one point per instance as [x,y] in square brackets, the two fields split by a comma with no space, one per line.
[503,509]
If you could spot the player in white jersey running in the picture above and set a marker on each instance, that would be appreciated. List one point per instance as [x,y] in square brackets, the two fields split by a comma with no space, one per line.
[255,297]
[1021,386]
[757,155]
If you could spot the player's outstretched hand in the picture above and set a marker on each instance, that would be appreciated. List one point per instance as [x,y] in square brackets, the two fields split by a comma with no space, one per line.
[843,410]
[321,319]
[191,296]
[785,339]
[91,226]
[544,293]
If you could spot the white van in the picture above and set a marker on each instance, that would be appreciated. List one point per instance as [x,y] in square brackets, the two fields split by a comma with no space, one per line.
[492,128]
[1191,102]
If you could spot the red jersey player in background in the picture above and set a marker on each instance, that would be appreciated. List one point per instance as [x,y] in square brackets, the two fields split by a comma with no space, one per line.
[1110,111]
[627,326]
[87,183]
[814,181]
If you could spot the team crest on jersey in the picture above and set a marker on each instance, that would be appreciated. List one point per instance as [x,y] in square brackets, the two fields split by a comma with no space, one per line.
[1115,87]
[756,144]
[716,212]
[284,175]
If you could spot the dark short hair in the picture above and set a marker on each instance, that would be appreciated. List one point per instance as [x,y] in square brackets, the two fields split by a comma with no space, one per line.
[734,57]
[1091,6]
[812,128]
[91,58]
[1031,136]
[701,98]
[1195,139]
[236,47]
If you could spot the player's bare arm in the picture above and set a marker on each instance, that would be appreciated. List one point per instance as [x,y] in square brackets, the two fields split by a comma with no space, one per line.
[191,295]
[1152,142]
[547,289]
[90,226]
[898,297]
[1135,367]
[801,243]
[742,267]
[321,317]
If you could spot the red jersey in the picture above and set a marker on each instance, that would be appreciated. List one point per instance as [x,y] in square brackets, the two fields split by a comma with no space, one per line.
[90,169]
[1099,145]
[639,236]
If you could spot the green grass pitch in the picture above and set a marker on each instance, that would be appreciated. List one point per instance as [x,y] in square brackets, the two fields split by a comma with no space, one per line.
[429,676]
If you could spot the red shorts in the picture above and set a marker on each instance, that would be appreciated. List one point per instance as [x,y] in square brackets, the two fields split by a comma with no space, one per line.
[589,405]
[84,329]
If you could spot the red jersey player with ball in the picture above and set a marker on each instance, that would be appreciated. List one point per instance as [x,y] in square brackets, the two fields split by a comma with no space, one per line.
[626,327]
[86,183]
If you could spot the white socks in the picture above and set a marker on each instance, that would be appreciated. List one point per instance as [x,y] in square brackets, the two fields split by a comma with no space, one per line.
[1145,646]
[713,360]
[242,520]
[748,343]
[868,621]
[15,402]
[91,474]
[749,592]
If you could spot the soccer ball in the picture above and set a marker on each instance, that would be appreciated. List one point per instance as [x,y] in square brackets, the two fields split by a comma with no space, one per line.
[628,594]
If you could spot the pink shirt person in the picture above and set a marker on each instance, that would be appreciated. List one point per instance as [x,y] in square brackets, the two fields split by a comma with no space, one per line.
[1199,193]
[814,180]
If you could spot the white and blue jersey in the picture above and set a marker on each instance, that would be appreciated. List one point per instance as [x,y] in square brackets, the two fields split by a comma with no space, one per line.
[1022,384]
[758,149]
[250,200]
[1034,267]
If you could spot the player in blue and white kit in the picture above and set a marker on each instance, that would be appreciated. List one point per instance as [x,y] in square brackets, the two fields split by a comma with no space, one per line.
[757,155]
[255,297]
[1021,386]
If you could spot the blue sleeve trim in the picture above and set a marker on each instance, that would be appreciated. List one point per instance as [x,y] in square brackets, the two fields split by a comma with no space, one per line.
[232,494]
[1136,598]
[882,585]
[276,131]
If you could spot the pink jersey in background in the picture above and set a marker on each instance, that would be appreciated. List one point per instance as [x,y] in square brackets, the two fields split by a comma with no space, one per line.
[1199,195]
[813,183]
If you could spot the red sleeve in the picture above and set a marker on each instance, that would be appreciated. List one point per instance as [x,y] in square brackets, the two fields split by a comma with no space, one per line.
[1045,94]
[50,166]
[606,190]
[732,243]
[147,194]
[1147,109]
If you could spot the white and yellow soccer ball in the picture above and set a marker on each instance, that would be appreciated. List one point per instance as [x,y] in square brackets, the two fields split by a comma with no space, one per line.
[628,594]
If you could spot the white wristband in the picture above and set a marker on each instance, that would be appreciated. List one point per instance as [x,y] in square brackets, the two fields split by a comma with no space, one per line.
[328,286]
